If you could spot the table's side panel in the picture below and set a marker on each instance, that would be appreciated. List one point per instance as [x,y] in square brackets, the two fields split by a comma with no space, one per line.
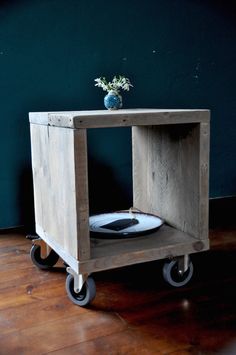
[204,133]
[53,166]
[82,193]
[140,167]
[170,187]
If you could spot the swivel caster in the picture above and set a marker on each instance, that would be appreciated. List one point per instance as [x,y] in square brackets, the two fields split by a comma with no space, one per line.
[43,263]
[85,295]
[175,275]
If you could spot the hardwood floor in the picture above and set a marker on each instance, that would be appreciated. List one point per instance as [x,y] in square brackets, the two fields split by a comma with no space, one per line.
[128,316]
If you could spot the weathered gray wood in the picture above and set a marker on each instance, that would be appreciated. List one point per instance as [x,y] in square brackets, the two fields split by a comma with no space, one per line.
[170,186]
[38,118]
[204,147]
[55,159]
[140,170]
[58,247]
[167,242]
[170,179]
[81,192]
[119,118]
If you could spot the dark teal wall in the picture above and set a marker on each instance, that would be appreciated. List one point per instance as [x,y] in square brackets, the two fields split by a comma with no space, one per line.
[178,54]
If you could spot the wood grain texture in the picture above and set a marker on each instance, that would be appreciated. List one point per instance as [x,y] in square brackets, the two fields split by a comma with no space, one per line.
[54,184]
[128,315]
[119,118]
[167,242]
[167,175]
[81,193]
[58,157]
[170,179]
[204,179]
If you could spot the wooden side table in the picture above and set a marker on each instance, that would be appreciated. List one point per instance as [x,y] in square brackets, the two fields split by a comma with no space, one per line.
[170,150]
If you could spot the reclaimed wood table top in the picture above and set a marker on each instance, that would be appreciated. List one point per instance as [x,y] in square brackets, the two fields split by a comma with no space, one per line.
[119,118]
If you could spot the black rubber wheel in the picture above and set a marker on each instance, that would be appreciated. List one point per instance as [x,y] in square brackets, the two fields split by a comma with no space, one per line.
[41,263]
[85,296]
[174,277]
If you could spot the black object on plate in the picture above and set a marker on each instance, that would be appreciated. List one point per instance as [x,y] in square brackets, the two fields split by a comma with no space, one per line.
[120,224]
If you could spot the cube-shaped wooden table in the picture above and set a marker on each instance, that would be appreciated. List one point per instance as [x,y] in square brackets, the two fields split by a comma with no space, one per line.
[170,150]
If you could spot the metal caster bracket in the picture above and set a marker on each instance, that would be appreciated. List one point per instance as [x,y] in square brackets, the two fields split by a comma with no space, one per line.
[183,263]
[44,247]
[79,279]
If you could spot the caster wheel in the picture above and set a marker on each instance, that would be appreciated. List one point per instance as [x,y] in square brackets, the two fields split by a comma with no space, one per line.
[85,296]
[45,263]
[172,275]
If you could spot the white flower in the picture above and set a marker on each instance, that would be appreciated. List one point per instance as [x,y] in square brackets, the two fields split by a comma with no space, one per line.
[116,84]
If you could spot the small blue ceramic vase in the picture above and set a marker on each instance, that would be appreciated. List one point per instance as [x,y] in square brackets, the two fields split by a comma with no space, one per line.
[113,101]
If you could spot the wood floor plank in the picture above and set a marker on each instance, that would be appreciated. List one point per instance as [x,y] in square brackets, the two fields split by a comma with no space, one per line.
[29,275]
[12,239]
[15,256]
[126,342]
[30,293]
[14,318]
[43,338]
[134,312]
